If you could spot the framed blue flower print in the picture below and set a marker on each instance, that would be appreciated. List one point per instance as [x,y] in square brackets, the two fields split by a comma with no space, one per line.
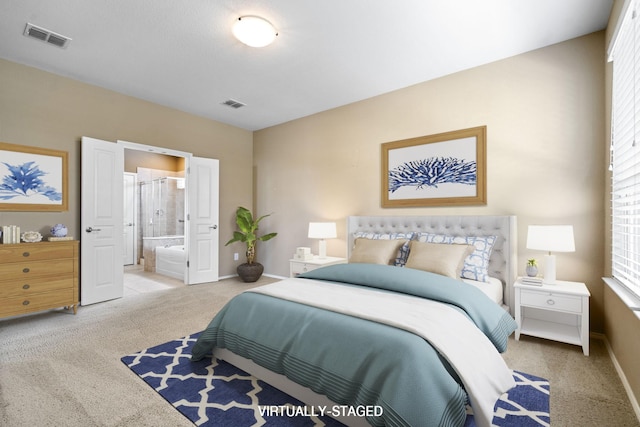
[33,178]
[446,169]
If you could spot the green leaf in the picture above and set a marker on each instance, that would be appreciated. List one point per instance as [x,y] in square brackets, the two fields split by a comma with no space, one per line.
[268,237]
[237,237]
[244,219]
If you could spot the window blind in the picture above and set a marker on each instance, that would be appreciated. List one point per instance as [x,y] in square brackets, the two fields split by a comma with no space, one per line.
[625,152]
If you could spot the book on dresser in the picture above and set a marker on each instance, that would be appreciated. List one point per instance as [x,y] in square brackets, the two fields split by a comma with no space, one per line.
[38,276]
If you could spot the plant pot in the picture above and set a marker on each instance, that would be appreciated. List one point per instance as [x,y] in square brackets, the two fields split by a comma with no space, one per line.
[250,272]
[532,271]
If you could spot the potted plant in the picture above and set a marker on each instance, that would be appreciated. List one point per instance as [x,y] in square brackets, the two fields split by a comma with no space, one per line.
[532,267]
[248,233]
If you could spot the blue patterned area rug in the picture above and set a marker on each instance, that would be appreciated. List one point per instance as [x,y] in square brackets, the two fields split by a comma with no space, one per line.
[215,393]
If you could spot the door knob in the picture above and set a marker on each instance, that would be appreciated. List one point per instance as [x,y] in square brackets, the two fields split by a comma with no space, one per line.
[215,227]
[90,229]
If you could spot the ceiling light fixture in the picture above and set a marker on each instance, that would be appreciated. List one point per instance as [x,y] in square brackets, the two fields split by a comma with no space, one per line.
[254,31]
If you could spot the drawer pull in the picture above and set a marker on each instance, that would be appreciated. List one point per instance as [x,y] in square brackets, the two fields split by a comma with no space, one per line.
[550,301]
[26,302]
[25,270]
[26,286]
[25,254]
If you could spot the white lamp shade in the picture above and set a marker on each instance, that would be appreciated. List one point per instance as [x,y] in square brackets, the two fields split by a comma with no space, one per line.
[551,238]
[322,230]
[254,31]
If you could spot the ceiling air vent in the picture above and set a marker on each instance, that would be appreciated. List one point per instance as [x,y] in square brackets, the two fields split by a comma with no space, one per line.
[233,103]
[46,36]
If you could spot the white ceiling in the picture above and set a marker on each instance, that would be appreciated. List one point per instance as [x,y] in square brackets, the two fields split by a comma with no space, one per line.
[328,52]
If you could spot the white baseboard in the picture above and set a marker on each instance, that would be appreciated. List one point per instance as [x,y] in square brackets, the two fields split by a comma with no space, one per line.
[274,276]
[634,403]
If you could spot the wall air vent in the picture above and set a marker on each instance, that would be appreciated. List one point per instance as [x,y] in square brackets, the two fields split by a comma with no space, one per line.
[233,103]
[46,36]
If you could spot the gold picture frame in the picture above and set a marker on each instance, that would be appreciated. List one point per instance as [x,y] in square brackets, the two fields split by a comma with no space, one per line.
[445,169]
[33,179]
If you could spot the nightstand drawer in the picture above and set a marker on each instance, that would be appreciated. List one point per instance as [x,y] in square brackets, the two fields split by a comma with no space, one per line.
[297,267]
[301,267]
[551,301]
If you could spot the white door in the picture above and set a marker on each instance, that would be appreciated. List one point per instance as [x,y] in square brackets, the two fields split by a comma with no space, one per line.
[101,221]
[129,250]
[202,185]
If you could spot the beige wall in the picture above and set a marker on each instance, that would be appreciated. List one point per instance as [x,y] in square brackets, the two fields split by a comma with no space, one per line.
[621,325]
[45,110]
[544,113]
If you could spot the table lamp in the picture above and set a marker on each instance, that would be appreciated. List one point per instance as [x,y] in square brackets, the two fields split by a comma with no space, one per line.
[322,230]
[550,238]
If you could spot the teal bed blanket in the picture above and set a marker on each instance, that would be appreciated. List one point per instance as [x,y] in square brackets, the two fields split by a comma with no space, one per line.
[495,322]
[355,361]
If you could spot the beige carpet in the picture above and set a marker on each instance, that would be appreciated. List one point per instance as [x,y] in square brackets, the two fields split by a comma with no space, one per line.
[57,369]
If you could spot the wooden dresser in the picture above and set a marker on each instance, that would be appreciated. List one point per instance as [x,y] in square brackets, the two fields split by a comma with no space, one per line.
[38,276]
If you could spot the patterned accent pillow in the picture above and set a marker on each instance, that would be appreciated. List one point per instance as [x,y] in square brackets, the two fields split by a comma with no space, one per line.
[476,265]
[403,252]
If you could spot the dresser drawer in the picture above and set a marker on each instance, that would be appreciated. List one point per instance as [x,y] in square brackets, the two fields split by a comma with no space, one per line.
[28,269]
[35,252]
[551,301]
[18,305]
[33,285]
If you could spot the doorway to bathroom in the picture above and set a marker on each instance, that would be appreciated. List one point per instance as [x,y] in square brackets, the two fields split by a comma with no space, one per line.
[155,210]
[102,218]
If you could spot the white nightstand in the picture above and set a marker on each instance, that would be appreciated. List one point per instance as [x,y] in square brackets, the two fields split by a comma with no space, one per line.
[297,266]
[558,312]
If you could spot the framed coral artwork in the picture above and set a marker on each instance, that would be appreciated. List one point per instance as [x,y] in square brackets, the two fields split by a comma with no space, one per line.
[446,169]
[33,179]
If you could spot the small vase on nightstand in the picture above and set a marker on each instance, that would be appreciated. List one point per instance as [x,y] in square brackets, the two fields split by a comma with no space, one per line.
[532,268]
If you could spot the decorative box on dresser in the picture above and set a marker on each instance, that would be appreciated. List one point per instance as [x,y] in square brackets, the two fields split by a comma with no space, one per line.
[38,276]
[297,266]
[558,312]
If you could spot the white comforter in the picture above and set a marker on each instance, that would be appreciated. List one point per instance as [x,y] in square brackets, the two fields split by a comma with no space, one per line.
[479,365]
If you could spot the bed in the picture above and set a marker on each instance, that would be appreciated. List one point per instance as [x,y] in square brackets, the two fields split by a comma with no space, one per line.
[503,260]
[393,339]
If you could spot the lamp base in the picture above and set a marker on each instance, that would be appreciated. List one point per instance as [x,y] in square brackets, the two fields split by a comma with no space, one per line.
[549,277]
[322,249]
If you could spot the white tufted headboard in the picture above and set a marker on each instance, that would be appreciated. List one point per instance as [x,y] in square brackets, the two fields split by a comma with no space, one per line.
[503,263]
